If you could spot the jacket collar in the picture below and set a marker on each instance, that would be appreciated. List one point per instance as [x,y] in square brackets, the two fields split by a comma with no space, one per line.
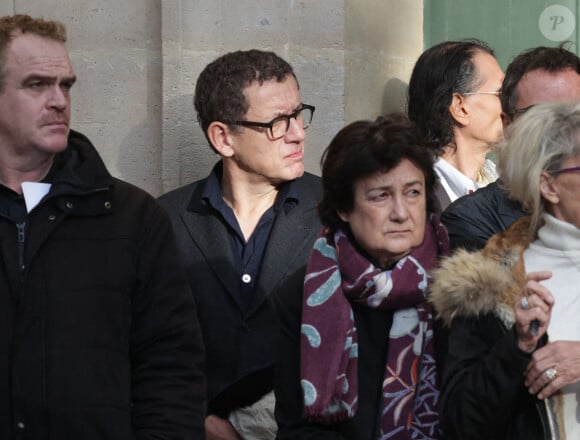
[79,169]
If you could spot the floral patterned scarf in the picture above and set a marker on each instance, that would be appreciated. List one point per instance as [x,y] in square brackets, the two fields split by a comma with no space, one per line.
[337,274]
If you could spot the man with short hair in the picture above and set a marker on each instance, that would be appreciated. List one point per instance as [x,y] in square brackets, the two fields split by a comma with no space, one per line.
[454,102]
[537,75]
[246,230]
[99,337]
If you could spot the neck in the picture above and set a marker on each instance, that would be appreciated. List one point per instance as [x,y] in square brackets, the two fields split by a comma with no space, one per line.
[12,175]
[249,198]
[468,161]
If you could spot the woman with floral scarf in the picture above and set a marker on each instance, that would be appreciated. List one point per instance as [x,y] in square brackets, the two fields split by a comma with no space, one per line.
[359,347]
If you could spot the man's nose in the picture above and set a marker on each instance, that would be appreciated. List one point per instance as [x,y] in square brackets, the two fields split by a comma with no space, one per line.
[296,132]
[58,98]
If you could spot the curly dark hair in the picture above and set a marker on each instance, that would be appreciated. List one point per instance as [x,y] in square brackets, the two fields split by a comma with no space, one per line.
[14,25]
[362,149]
[550,59]
[441,71]
[219,92]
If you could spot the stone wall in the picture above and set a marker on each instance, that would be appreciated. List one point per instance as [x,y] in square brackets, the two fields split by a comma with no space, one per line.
[137,62]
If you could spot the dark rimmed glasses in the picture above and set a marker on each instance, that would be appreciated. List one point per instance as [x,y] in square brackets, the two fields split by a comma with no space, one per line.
[278,127]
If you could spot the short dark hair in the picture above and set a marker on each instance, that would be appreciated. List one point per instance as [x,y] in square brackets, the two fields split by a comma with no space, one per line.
[362,149]
[441,71]
[219,92]
[13,25]
[550,59]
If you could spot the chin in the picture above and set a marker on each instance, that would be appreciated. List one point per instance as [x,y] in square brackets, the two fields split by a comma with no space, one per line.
[297,172]
[56,145]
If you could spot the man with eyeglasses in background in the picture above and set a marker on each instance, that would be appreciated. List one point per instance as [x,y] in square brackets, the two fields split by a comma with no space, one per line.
[537,75]
[245,230]
[453,99]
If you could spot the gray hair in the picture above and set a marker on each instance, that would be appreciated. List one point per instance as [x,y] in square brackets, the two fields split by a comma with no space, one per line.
[541,140]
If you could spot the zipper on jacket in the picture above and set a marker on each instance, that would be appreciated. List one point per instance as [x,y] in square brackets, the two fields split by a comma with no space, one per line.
[21,238]
[550,431]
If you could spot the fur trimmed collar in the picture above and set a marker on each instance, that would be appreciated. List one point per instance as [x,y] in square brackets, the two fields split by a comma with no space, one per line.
[470,284]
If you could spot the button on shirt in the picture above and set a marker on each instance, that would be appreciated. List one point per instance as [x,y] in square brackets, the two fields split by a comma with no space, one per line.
[247,255]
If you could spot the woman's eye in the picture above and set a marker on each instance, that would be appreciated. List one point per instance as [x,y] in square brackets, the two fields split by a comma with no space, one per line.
[379,196]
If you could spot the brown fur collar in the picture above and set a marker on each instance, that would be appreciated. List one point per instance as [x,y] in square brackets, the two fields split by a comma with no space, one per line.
[469,284]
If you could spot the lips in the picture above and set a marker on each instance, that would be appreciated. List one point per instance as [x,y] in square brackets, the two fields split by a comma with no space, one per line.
[297,155]
[57,122]
[57,125]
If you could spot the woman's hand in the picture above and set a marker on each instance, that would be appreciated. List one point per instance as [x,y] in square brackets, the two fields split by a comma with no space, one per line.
[553,366]
[532,311]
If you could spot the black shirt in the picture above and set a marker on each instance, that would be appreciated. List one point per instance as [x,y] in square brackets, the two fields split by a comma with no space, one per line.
[247,254]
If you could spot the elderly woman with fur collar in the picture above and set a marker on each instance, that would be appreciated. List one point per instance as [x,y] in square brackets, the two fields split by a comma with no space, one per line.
[513,366]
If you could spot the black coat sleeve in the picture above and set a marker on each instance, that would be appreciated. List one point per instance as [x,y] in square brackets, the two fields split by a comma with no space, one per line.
[167,356]
[483,387]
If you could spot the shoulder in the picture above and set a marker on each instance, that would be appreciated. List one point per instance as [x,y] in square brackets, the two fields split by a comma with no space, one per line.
[473,218]
[486,198]
[309,186]
[180,198]
[130,195]
[136,203]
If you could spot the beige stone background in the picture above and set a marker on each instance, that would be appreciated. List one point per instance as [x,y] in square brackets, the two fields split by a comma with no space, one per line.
[137,62]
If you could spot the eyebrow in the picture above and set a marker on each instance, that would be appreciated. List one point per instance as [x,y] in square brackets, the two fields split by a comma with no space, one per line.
[406,185]
[285,113]
[41,77]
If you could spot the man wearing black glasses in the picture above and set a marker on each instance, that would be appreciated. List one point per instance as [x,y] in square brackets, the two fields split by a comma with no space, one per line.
[246,229]
[541,74]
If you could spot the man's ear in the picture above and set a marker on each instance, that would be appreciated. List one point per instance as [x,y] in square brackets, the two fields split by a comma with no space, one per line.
[548,188]
[220,136]
[506,120]
[459,109]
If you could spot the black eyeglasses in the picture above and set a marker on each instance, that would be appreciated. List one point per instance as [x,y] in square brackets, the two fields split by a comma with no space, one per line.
[565,170]
[520,111]
[279,126]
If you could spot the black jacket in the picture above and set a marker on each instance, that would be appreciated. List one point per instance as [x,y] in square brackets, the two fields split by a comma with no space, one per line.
[483,392]
[98,335]
[241,340]
[473,218]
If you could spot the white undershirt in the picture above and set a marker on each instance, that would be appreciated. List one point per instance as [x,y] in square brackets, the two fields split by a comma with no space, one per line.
[457,184]
[33,193]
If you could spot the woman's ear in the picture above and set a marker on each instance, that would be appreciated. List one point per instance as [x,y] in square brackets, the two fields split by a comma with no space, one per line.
[220,136]
[459,109]
[343,216]
[549,188]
